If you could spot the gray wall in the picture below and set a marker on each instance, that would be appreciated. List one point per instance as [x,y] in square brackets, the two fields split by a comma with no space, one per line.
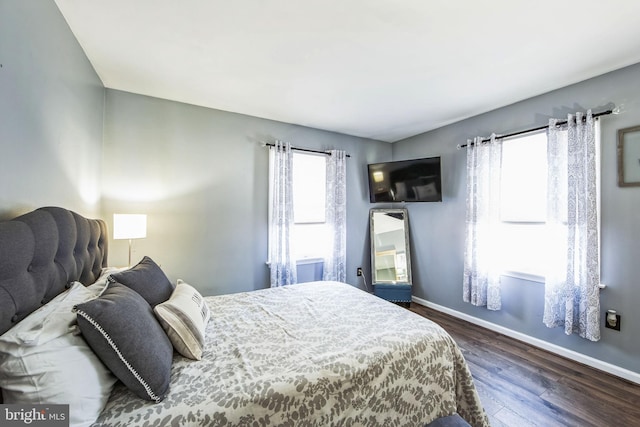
[437,229]
[51,109]
[201,177]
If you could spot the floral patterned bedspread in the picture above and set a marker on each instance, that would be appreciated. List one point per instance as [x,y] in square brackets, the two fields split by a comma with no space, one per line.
[312,354]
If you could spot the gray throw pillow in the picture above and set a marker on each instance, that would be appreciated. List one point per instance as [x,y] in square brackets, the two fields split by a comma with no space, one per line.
[147,279]
[121,329]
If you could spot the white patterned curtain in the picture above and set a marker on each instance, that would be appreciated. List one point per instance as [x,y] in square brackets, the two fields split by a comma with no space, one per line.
[336,217]
[572,293]
[481,286]
[281,262]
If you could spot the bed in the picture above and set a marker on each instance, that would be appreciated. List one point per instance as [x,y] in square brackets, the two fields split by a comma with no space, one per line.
[313,354]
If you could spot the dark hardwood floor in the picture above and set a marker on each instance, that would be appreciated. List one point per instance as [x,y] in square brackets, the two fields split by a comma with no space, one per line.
[521,385]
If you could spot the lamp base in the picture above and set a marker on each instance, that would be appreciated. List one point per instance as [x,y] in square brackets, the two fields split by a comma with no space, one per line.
[129,253]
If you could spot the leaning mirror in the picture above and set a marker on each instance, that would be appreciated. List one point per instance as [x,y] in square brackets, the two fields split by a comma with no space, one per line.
[390,257]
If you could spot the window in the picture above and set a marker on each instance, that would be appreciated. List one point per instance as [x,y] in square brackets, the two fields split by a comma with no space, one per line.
[310,237]
[309,178]
[523,205]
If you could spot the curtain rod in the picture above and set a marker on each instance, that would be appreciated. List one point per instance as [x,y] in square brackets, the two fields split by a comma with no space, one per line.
[307,150]
[560,122]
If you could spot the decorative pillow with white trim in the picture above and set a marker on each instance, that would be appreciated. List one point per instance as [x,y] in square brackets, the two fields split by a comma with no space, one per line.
[184,317]
[44,360]
[121,329]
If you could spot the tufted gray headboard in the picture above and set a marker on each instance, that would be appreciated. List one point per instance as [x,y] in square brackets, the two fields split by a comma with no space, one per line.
[41,252]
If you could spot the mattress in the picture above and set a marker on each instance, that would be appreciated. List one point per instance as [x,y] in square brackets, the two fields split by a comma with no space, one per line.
[313,354]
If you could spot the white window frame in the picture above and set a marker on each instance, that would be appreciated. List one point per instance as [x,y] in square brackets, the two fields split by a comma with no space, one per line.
[310,227]
[529,276]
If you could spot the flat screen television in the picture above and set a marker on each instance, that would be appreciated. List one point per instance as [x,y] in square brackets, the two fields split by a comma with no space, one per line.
[417,180]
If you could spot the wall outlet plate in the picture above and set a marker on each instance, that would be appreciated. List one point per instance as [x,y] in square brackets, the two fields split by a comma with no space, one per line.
[610,325]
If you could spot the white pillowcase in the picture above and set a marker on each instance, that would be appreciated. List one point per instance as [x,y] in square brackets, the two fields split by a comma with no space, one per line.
[101,282]
[43,360]
[184,317]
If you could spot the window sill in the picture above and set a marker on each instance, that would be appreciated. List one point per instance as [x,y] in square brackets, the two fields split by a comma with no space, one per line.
[303,261]
[524,276]
[534,278]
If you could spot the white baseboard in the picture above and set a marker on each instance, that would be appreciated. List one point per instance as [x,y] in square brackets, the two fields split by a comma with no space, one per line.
[556,349]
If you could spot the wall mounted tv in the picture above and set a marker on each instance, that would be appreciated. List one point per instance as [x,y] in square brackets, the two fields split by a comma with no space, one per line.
[417,180]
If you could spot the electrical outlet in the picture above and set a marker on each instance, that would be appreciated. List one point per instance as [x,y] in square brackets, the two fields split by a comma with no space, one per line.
[359,271]
[612,320]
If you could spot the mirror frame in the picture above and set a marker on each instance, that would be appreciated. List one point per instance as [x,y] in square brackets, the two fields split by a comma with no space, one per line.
[405,216]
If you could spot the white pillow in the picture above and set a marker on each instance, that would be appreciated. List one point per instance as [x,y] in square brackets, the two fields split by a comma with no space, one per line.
[101,281]
[184,317]
[44,360]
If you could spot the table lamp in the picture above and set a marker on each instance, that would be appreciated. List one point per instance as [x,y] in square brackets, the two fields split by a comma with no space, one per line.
[129,226]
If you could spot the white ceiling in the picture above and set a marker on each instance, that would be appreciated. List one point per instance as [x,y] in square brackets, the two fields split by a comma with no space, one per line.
[379,69]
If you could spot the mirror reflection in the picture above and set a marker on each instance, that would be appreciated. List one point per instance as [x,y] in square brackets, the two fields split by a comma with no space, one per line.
[390,260]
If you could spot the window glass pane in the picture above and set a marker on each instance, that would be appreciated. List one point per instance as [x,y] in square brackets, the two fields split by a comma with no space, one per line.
[523,248]
[523,196]
[310,241]
[309,172]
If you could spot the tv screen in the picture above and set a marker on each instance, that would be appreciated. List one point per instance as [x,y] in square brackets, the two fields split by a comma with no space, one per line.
[416,180]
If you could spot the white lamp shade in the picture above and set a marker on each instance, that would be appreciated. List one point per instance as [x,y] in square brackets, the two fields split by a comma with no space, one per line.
[129,226]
